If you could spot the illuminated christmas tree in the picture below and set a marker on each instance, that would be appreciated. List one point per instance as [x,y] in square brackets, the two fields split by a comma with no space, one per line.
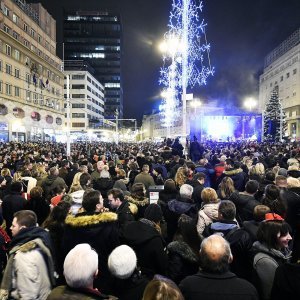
[274,119]
[186,57]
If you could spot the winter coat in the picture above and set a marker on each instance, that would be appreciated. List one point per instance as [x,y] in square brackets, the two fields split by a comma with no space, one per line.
[265,264]
[125,214]
[238,176]
[144,178]
[245,205]
[40,207]
[207,214]
[251,227]
[77,198]
[100,230]
[208,171]
[28,183]
[286,282]
[64,292]
[141,203]
[207,286]
[130,288]
[50,183]
[175,208]
[198,188]
[240,245]
[148,245]
[182,261]
[30,269]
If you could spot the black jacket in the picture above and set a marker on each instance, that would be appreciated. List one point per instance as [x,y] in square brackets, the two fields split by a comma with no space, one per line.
[100,231]
[206,286]
[238,176]
[148,245]
[182,261]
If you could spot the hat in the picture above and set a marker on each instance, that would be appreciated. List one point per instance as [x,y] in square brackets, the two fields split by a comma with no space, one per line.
[283,172]
[272,217]
[153,213]
[122,262]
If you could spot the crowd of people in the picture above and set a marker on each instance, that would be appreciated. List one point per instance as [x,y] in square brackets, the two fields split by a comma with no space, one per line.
[226,223]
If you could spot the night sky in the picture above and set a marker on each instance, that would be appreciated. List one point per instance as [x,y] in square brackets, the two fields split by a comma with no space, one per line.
[241,34]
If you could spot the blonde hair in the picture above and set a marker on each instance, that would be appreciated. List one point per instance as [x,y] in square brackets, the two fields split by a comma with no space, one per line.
[226,187]
[180,177]
[257,169]
[17,176]
[294,167]
[209,195]
[293,182]
[5,172]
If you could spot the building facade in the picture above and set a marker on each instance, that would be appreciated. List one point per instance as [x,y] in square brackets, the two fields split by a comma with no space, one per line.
[86,100]
[31,80]
[282,69]
[96,37]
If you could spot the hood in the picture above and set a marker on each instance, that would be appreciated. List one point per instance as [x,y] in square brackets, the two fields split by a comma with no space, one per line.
[259,247]
[90,220]
[219,226]
[137,233]
[142,201]
[211,210]
[77,196]
[233,172]
[183,250]
[180,207]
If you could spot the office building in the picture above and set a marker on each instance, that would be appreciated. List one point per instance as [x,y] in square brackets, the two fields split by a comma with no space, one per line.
[95,36]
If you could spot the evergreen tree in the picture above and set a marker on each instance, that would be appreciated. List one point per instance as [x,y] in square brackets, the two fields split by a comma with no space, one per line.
[272,118]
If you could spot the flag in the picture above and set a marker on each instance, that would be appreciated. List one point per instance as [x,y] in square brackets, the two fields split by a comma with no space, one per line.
[34,79]
[42,85]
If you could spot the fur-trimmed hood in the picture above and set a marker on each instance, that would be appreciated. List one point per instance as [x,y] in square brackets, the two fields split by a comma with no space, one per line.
[142,201]
[183,250]
[91,220]
[233,172]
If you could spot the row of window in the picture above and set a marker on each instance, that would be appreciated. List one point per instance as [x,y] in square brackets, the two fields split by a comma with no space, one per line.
[287,75]
[30,79]
[37,68]
[16,19]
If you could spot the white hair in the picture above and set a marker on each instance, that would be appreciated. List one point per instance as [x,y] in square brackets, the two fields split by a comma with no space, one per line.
[186,190]
[80,266]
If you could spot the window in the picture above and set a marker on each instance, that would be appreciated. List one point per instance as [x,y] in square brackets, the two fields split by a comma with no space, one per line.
[5,11]
[8,50]
[17,54]
[39,38]
[78,124]
[15,35]
[78,115]
[26,43]
[8,69]
[25,27]
[287,75]
[27,78]
[78,77]
[1,87]
[32,32]
[78,86]
[281,78]
[33,48]
[6,28]
[27,61]
[78,105]
[294,71]
[8,89]
[15,18]
[17,73]
[17,91]
[28,96]
[0,65]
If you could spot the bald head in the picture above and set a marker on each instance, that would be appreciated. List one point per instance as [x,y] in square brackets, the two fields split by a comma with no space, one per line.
[215,254]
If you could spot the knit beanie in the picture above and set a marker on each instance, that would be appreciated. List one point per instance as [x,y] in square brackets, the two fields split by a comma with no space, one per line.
[122,262]
[153,213]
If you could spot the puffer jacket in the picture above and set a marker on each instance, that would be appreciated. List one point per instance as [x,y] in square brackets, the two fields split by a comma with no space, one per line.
[207,214]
